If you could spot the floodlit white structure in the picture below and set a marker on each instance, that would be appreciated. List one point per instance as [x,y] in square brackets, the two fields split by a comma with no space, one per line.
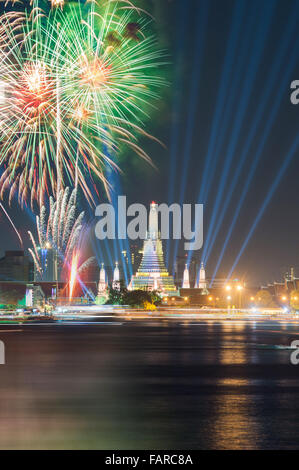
[35,296]
[186,281]
[102,286]
[152,273]
[201,284]
[116,284]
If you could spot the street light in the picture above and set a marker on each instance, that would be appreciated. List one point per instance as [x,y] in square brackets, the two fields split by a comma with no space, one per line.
[239,289]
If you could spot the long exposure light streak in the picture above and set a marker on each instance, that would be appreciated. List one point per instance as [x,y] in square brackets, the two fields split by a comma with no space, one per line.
[244,45]
[183,15]
[229,176]
[275,104]
[267,200]
[199,47]
[12,224]
[237,21]
[119,245]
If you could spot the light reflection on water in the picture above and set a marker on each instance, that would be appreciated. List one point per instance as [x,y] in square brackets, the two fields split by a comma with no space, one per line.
[162,386]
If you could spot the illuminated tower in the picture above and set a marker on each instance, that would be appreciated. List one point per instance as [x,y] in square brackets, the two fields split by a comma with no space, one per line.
[201,284]
[186,282]
[102,286]
[152,273]
[116,284]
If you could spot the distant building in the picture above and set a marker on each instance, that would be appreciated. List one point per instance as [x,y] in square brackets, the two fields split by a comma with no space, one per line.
[50,266]
[13,293]
[133,257]
[16,266]
[35,296]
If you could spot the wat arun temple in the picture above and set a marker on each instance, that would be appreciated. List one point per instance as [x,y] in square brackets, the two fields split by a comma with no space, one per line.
[152,273]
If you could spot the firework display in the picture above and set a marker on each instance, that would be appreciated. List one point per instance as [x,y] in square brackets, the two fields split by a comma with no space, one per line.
[77,83]
[58,231]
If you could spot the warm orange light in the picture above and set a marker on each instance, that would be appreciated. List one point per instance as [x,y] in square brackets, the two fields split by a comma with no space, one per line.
[95,73]
[57,3]
[251,298]
[283,298]
[34,77]
[228,297]
[34,90]
[228,288]
[81,114]
[210,298]
[73,275]
[239,287]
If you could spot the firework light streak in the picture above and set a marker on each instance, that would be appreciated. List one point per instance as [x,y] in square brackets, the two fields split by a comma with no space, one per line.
[12,224]
[73,275]
[78,82]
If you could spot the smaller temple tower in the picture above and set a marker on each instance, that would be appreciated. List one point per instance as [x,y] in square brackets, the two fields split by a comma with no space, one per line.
[102,286]
[186,281]
[201,284]
[116,283]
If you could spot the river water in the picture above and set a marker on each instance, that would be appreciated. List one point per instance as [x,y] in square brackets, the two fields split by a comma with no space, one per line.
[156,384]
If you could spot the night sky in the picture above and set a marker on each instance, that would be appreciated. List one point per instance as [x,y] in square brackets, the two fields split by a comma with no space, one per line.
[225,117]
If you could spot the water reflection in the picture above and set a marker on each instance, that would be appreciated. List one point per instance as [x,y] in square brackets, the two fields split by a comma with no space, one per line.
[211,385]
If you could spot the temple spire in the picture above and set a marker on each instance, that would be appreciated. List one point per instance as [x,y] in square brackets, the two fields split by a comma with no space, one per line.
[201,284]
[153,225]
[115,283]
[186,281]
[152,273]
[102,286]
